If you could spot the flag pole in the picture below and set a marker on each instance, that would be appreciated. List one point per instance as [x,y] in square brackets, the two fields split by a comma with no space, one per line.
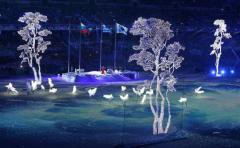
[80,48]
[100,52]
[69,32]
[115,48]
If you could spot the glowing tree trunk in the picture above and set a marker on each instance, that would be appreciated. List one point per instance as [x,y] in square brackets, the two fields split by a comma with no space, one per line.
[169,113]
[159,114]
[35,74]
[217,64]
[36,68]
[218,54]
[39,72]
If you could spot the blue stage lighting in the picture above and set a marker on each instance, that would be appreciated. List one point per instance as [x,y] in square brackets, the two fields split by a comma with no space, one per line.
[232,71]
[213,72]
[223,72]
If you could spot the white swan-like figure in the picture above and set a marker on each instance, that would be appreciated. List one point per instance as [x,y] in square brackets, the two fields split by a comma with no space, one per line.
[124,97]
[123,88]
[182,100]
[139,92]
[149,92]
[144,98]
[11,88]
[51,85]
[198,90]
[92,92]
[34,85]
[53,90]
[108,96]
[74,90]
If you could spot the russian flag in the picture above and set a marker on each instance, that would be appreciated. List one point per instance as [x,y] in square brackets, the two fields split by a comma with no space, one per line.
[83,26]
[84,30]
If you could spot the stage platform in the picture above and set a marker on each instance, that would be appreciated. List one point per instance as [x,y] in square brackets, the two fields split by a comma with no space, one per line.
[97,77]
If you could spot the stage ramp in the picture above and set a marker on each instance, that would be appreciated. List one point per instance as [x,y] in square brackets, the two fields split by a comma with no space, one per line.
[93,77]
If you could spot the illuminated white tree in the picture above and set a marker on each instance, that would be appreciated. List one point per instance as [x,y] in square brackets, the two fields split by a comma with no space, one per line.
[220,33]
[35,46]
[162,60]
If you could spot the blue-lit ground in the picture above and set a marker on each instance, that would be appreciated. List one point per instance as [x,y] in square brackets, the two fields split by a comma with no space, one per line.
[66,120]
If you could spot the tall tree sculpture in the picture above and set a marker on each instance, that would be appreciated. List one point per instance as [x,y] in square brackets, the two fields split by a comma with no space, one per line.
[220,33]
[162,60]
[35,46]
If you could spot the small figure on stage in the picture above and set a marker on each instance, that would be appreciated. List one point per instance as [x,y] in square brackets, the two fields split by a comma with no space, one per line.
[103,70]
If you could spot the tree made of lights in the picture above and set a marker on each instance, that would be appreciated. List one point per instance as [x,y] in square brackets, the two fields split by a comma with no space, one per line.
[161,58]
[35,46]
[220,34]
